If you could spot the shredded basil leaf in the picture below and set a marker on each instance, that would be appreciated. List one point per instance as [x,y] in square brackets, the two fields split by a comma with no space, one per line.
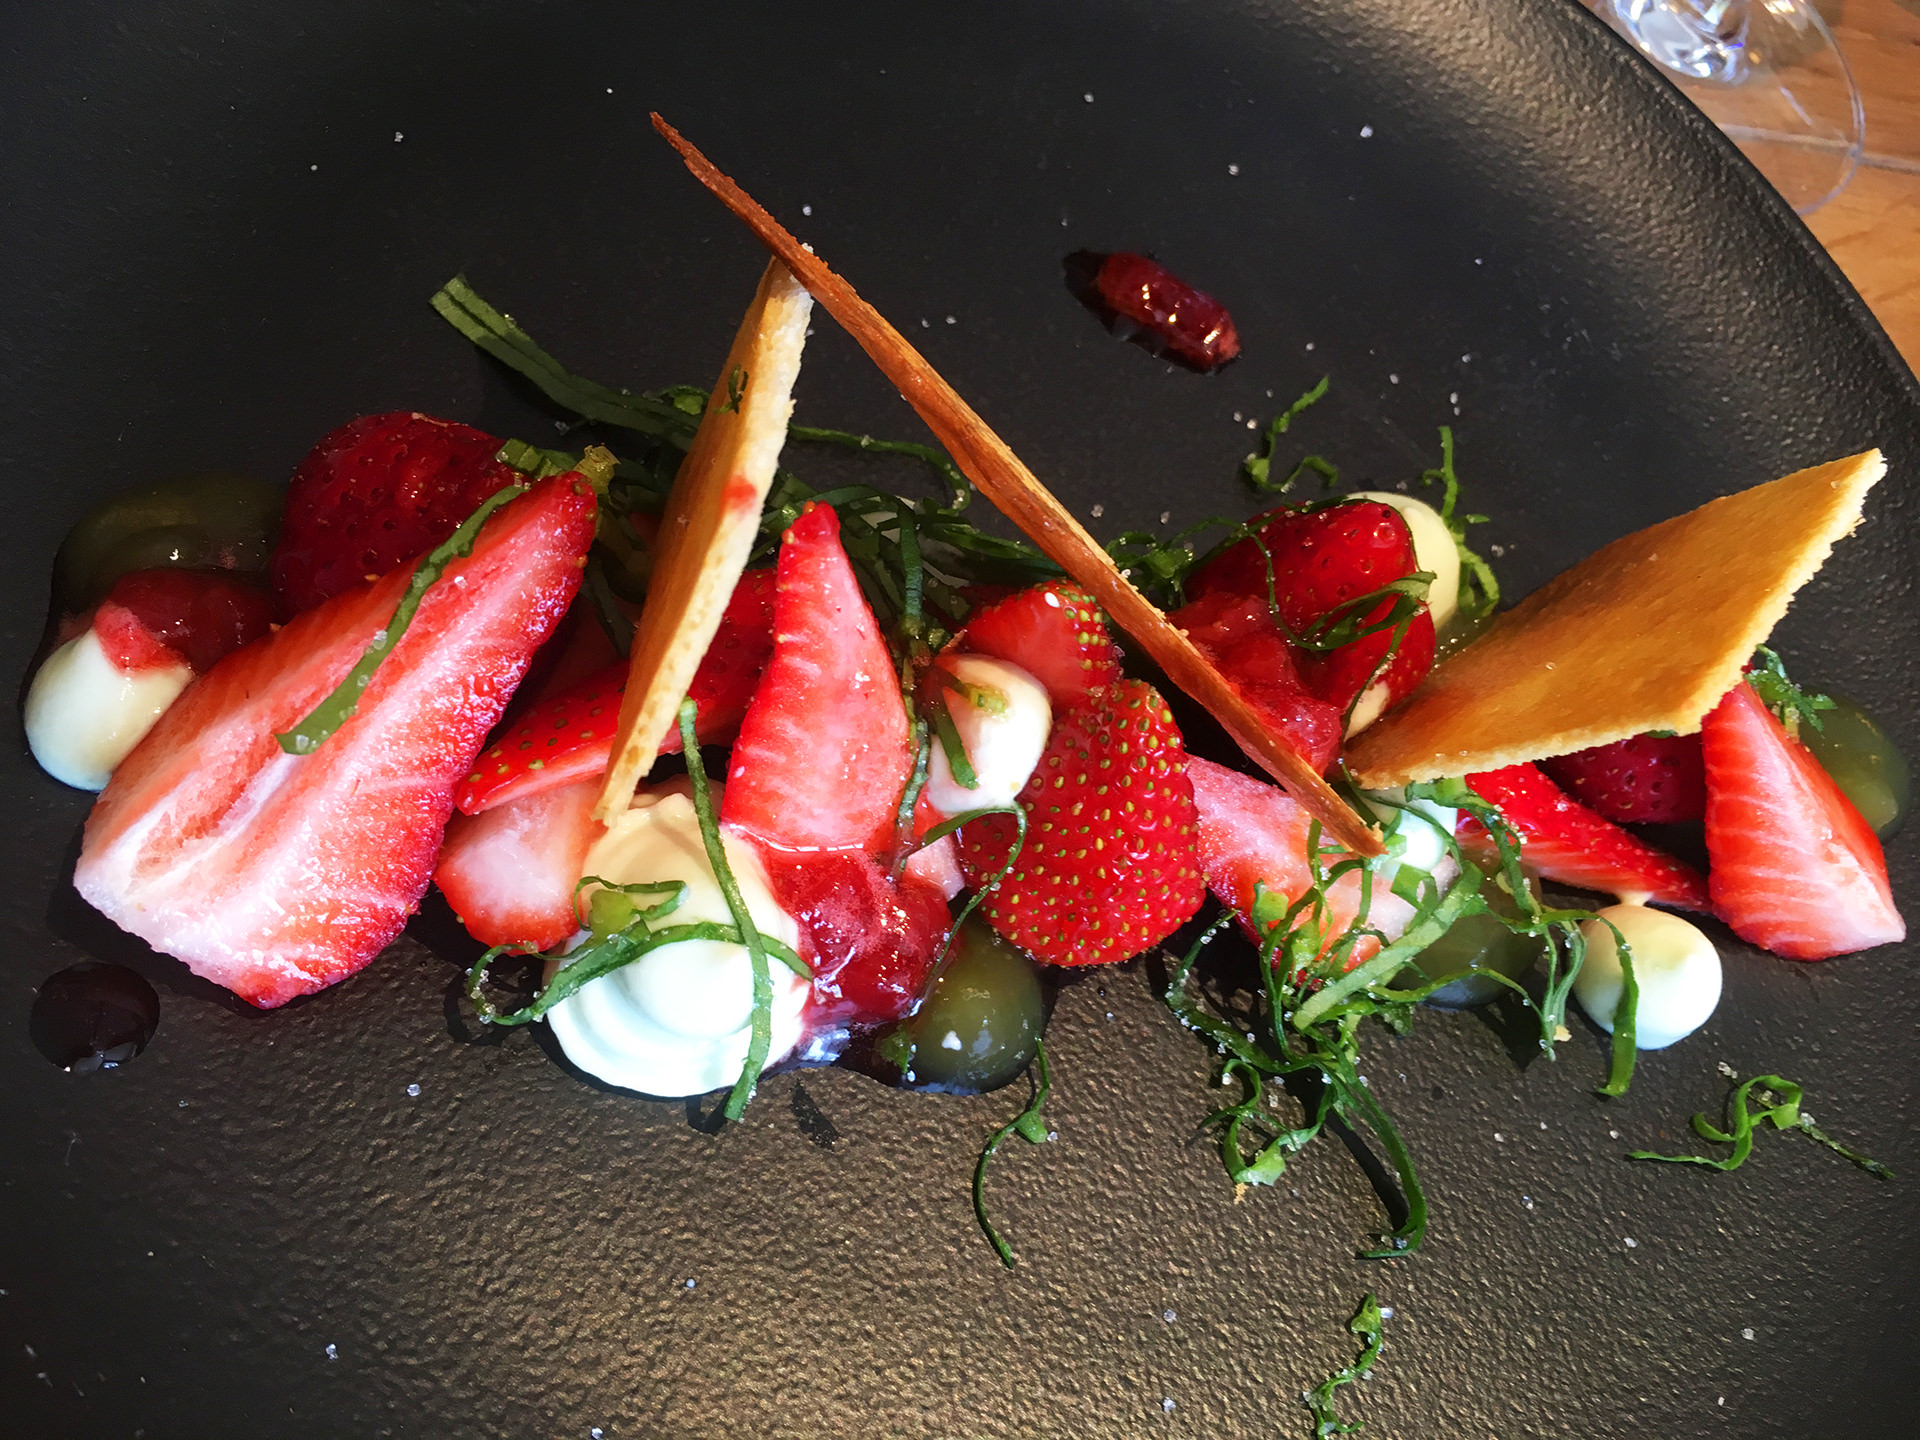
[1779,1107]
[344,703]
[1778,693]
[1367,1323]
[1030,1126]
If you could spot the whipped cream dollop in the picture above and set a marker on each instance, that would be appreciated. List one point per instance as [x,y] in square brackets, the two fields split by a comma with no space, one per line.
[678,1020]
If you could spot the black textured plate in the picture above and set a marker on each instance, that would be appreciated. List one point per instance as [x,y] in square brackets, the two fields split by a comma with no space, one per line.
[223,221]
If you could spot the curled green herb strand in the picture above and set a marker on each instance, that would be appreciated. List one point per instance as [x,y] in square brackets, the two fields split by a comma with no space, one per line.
[1792,705]
[1258,467]
[1779,1107]
[1030,1126]
[1479,590]
[1367,1323]
[950,743]
[1625,1015]
[341,706]
[750,937]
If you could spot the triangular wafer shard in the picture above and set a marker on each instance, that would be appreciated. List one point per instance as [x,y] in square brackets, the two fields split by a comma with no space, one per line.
[1004,480]
[1647,633]
[707,532]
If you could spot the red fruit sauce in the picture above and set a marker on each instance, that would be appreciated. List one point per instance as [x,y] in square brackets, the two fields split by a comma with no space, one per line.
[871,943]
[1189,324]
[164,617]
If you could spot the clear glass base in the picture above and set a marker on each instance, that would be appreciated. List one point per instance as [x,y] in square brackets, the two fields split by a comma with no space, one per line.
[1768,74]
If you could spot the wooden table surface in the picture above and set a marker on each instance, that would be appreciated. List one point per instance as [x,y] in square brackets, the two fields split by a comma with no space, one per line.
[1872,228]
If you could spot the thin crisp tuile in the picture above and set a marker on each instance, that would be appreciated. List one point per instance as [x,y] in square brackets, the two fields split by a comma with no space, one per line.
[1003,479]
[1645,634]
[707,532]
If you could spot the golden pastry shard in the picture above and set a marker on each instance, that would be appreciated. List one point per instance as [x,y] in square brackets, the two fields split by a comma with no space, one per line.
[1646,634]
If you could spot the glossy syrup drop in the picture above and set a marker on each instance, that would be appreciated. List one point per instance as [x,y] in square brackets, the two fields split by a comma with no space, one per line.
[93,1016]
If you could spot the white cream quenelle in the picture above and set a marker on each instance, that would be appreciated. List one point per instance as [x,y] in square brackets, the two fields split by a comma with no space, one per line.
[678,1020]
[84,714]
[1677,968]
[1003,728]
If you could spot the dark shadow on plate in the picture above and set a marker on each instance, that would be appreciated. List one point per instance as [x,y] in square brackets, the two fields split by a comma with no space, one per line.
[812,1120]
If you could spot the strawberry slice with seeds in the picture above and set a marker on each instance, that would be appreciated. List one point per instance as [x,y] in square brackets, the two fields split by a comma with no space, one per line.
[1054,631]
[1109,866]
[569,736]
[277,874]
[375,492]
[1644,779]
[1792,866]
[511,873]
[823,754]
[1563,840]
[1253,834]
[1238,634]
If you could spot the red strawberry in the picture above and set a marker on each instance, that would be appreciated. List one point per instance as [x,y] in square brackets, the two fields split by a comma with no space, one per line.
[822,757]
[277,874]
[1109,866]
[871,944]
[510,874]
[569,736]
[1792,866]
[168,616]
[1652,779]
[1563,840]
[1252,833]
[1323,560]
[1238,635]
[1056,633]
[377,491]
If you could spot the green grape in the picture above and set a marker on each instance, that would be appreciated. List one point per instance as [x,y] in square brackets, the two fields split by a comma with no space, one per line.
[1863,761]
[1475,942]
[978,1026]
[206,521]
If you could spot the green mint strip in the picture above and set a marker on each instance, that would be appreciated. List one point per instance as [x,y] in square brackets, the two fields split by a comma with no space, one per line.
[1366,1323]
[1030,1127]
[1780,1107]
[762,1038]
[339,707]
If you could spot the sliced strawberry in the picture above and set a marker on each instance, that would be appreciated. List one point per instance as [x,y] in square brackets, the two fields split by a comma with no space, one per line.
[1792,866]
[163,616]
[822,757]
[569,736]
[1109,866]
[276,874]
[510,874]
[1253,834]
[1342,675]
[1056,633]
[1238,634]
[1651,779]
[1563,840]
[937,866]
[871,944]
[377,491]
[1323,560]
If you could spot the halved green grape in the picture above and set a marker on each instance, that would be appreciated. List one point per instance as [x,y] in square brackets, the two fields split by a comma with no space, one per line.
[980,1023]
[1475,942]
[202,522]
[1863,761]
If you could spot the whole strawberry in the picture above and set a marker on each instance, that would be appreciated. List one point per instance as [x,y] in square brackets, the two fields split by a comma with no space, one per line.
[1055,632]
[1650,779]
[375,492]
[1110,865]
